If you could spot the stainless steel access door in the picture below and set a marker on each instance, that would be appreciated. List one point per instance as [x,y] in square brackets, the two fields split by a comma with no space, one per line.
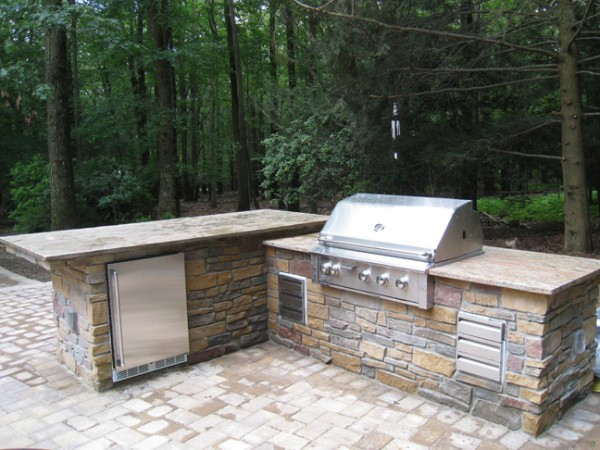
[148,311]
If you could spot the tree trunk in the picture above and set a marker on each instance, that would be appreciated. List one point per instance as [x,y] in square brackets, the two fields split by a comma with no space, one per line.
[577,220]
[272,42]
[183,120]
[194,132]
[212,157]
[291,46]
[158,19]
[138,86]
[237,102]
[291,69]
[76,87]
[62,184]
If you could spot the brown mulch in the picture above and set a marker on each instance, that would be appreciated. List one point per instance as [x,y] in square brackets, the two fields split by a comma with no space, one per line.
[546,238]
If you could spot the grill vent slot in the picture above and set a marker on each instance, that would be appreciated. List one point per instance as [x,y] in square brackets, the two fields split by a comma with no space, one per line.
[481,346]
[292,297]
[150,367]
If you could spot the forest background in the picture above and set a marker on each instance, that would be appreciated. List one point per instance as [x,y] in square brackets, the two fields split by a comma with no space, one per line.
[115,111]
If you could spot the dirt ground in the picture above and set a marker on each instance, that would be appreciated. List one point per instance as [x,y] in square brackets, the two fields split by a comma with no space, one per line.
[547,238]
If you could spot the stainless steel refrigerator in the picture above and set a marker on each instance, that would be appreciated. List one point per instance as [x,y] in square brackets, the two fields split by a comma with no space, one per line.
[148,314]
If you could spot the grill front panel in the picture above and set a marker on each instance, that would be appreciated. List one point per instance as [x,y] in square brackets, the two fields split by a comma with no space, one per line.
[392,283]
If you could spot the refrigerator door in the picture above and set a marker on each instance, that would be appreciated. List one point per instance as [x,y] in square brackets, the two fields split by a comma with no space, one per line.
[148,312]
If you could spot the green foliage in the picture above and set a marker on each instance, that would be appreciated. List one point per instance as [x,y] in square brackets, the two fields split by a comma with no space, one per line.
[326,137]
[313,159]
[532,208]
[30,191]
[535,208]
[110,192]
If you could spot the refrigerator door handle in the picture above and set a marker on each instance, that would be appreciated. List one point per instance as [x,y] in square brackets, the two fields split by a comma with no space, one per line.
[118,334]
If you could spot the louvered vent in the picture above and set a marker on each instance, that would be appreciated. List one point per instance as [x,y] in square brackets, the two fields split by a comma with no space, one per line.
[481,346]
[292,297]
[150,367]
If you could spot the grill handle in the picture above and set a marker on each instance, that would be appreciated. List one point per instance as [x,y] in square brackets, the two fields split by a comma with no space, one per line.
[421,254]
[118,334]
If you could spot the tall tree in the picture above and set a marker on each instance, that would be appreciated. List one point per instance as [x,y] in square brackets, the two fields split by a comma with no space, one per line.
[62,183]
[509,43]
[137,77]
[159,20]
[290,38]
[237,106]
[577,221]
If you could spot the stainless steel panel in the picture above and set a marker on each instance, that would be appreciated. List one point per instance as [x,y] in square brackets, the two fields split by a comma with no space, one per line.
[420,228]
[478,368]
[148,310]
[394,283]
[479,351]
[480,331]
[292,297]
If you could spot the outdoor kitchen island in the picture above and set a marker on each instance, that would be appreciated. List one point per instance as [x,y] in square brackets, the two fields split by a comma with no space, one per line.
[224,269]
[537,310]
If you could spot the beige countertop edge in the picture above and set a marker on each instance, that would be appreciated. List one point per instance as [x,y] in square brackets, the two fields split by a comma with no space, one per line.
[538,273]
[304,243]
[25,245]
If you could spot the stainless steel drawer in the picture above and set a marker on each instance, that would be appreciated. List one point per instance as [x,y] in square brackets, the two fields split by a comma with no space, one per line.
[481,346]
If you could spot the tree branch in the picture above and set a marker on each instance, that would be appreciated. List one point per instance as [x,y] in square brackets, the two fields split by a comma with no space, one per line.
[540,68]
[442,34]
[588,72]
[528,155]
[465,89]
[529,130]
[581,23]
[591,58]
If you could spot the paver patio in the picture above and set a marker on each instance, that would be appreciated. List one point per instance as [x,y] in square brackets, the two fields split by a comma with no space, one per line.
[263,397]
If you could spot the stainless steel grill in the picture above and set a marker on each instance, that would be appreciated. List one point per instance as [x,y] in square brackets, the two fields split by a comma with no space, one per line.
[384,245]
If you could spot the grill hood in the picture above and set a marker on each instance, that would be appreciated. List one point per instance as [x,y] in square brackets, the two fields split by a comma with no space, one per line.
[425,229]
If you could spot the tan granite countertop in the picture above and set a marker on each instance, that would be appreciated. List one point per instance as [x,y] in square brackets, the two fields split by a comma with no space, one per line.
[540,273]
[69,244]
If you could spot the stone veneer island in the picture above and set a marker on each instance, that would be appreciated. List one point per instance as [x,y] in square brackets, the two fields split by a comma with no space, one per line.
[547,303]
[232,265]
[225,271]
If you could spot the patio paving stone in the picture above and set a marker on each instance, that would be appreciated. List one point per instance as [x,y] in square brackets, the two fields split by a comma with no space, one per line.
[264,397]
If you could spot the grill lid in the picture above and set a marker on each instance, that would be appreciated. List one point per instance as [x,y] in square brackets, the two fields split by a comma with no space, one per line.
[418,228]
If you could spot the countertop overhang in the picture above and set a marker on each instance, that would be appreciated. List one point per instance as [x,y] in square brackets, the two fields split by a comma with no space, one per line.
[86,242]
[540,273]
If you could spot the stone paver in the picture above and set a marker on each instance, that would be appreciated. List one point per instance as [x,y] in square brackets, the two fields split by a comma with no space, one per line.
[264,397]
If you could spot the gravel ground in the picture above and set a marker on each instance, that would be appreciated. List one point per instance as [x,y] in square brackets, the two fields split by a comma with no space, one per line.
[23,267]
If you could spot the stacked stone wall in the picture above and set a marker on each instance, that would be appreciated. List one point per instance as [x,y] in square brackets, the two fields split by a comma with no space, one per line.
[227,297]
[82,314]
[550,342]
[226,288]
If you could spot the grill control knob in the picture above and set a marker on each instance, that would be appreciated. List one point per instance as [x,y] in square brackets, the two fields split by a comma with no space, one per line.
[382,279]
[326,268]
[364,275]
[401,283]
[334,270]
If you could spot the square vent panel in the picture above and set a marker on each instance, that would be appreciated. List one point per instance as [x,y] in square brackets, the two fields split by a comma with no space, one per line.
[292,297]
[481,346]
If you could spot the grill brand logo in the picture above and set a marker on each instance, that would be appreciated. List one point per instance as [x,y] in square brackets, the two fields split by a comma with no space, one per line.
[378,227]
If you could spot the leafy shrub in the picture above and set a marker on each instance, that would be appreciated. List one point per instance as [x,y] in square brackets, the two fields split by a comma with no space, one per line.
[30,192]
[312,159]
[111,193]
